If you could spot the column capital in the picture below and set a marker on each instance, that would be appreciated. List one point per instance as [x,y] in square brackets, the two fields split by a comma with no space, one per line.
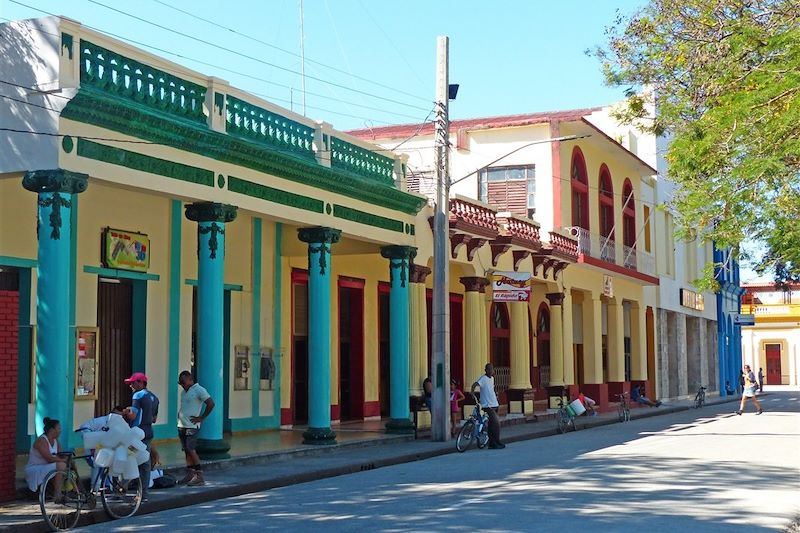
[319,234]
[55,180]
[419,273]
[555,298]
[398,252]
[210,212]
[474,284]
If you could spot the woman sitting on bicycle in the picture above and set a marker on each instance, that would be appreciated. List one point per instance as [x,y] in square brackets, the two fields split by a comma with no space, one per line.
[43,457]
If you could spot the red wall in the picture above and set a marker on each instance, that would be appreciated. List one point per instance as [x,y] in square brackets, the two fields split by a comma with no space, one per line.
[9,325]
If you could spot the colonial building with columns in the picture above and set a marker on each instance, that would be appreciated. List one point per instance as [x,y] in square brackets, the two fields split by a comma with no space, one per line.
[590,322]
[154,219]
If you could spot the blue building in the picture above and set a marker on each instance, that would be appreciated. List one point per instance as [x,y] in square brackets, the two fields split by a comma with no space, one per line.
[729,304]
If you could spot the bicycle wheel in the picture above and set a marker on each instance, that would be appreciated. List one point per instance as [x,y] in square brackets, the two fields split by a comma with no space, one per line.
[571,424]
[483,436]
[621,413]
[60,509]
[465,436]
[121,497]
[563,422]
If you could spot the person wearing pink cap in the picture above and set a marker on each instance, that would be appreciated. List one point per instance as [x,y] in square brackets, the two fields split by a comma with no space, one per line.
[144,410]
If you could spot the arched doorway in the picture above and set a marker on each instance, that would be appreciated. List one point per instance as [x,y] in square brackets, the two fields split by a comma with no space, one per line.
[543,347]
[500,348]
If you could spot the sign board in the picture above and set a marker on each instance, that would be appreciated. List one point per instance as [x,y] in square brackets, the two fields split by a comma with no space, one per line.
[608,286]
[125,250]
[692,300]
[511,286]
[744,320]
[87,354]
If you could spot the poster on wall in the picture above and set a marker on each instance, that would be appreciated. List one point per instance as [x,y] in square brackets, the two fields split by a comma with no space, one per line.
[126,250]
[86,358]
[608,286]
[511,286]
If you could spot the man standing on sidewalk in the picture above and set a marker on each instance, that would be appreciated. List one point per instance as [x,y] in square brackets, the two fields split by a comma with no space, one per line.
[196,404]
[489,403]
[144,409]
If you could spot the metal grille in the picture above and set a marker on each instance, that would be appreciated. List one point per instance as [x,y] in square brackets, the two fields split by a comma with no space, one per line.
[502,378]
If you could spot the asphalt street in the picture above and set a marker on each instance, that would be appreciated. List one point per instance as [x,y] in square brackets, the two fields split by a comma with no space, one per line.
[706,470]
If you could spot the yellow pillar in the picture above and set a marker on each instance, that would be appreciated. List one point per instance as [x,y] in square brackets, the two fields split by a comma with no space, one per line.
[418,356]
[474,328]
[569,356]
[638,343]
[616,341]
[592,338]
[556,300]
[520,347]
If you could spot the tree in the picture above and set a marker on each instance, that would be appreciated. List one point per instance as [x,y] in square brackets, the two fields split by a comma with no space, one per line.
[724,76]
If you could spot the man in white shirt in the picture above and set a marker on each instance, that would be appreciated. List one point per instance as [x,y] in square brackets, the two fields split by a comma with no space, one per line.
[489,403]
[196,404]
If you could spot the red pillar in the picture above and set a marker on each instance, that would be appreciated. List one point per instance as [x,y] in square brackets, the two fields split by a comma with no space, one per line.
[9,352]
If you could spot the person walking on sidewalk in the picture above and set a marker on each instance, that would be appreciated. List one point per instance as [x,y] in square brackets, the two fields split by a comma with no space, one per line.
[750,386]
[489,403]
[760,380]
[196,404]
[144,410]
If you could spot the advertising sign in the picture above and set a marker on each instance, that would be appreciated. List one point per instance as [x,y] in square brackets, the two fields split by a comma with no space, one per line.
[126,250]
[608,286]
[511,286]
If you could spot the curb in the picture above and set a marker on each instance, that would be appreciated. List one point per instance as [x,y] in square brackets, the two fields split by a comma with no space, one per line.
[186,499]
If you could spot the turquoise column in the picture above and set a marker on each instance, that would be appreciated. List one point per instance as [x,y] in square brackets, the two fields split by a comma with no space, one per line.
[399,403]
[319,333]
[211,218]
[54,347]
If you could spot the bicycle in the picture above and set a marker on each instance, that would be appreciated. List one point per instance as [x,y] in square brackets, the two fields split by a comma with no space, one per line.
[564,419]
[61,509]
[624,408]
[700,398]
[476,427]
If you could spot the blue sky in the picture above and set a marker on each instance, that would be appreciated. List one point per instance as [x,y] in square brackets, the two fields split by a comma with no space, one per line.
[508,56]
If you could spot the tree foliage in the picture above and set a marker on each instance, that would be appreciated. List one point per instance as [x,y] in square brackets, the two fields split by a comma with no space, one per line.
[724,76]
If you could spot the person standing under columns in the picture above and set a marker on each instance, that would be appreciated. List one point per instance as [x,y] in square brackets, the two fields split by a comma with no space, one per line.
[320,241]
[196,404]
[144,408]
[489,403]
[750,386]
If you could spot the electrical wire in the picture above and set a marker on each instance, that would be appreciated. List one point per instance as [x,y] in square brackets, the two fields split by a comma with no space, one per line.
[294,54]
[246,56]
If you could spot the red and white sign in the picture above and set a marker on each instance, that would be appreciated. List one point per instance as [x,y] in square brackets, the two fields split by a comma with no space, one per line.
[511,286]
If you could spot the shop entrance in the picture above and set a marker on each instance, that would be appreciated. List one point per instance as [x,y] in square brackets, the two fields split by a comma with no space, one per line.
[773,364]
[542,381]
[383,348]
[351,349]
[456,338]
[299,347]
[115,322]
[500,346]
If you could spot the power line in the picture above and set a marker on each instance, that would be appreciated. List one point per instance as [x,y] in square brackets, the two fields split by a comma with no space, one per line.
[294,54]
[250,76]
[246,56]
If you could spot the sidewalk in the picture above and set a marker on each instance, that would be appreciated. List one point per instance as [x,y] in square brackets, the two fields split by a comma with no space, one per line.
[255,472]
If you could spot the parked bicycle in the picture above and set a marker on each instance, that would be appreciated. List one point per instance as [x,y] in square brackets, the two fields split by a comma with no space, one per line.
[61,509]
[476,428]
[700,398]
[624,407]
[565,417]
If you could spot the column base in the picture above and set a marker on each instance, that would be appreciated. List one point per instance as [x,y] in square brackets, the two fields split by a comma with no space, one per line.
[618,387]
[520,401]
[319,436]
[597,392]
[400,426]
[213,448]
[553,393]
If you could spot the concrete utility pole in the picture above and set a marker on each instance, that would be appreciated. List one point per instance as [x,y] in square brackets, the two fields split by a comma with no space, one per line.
[440,417]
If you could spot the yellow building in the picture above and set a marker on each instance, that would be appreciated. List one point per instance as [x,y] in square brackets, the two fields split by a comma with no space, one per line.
[771,345]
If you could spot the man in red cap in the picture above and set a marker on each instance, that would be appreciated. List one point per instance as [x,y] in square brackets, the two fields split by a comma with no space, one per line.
[144,409]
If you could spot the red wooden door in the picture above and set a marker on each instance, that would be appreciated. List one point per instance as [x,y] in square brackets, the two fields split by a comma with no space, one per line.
[351,349]
[773,364]
[115,321]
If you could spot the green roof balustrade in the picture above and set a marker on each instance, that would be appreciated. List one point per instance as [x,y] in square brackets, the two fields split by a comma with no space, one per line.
[361,161]
[266,127]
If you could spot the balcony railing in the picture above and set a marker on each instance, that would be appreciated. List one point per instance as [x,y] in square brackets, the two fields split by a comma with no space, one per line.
[563,244]
[608,249]
[600,247]
[483,219]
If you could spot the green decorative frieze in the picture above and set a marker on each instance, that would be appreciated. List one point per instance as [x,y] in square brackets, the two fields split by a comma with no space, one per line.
[127,78]
[362,161]
[145,163]
[362,217]
[91,106]
[271,194]
[269,128]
